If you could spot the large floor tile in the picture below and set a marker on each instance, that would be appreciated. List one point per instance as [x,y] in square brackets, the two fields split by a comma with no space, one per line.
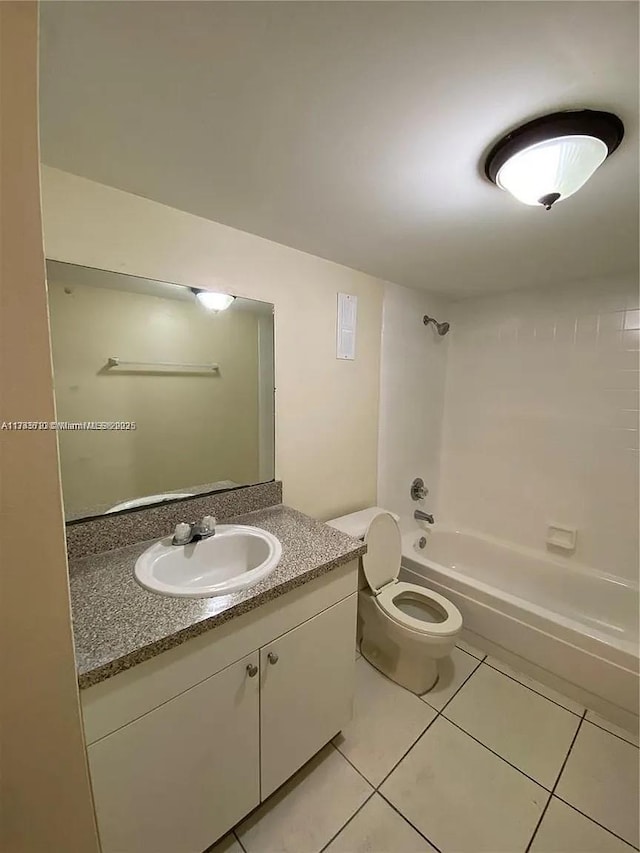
[387,720]
[452,673]
[564,830]
[554,695]
[601,780]
[228,844]
[377,828]
[462,797]
[306,812]
[528,730]
[625,734]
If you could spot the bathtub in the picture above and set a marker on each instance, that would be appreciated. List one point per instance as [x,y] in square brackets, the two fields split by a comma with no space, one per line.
[568,622]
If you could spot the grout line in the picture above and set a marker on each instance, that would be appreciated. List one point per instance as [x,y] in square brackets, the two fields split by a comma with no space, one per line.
[597,823]
[348,760]
[406,819]
[428,726]
[537,692]
[555,785]
[602,729]
[497,754]
[242,847]
[453,695]
[344,826]
[538,823]
[573,740]
[485,655]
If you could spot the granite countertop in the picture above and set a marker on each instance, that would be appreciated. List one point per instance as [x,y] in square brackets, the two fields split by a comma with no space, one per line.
[118,624]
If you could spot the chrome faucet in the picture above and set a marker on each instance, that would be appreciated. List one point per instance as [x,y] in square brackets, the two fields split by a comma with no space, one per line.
[423,516]
[185,533]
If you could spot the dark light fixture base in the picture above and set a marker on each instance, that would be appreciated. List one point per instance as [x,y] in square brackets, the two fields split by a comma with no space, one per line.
[601,125]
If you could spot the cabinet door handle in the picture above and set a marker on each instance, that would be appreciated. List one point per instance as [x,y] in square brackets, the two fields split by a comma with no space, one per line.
[252,670]
[272,657]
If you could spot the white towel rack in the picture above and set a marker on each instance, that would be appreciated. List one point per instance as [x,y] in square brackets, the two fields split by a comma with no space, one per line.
[115,361]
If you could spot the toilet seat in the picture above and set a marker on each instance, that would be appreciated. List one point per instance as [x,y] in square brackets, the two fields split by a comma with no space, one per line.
[381,566]
[451,624]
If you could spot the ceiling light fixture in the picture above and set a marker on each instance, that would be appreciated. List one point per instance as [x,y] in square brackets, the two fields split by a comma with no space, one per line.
[550,158]
[211,300]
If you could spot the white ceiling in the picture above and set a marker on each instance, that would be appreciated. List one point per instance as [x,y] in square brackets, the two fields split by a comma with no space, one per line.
[353,131]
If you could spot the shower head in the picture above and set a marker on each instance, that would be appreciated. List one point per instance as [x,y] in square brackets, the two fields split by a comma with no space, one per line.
[441,328]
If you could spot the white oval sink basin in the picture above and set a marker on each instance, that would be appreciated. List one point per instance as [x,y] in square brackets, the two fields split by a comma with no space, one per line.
[235,558]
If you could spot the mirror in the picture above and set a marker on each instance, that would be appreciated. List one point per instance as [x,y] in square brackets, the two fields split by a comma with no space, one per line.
[157,397]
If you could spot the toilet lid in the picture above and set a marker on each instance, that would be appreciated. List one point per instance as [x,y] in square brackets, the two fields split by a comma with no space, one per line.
[381,563]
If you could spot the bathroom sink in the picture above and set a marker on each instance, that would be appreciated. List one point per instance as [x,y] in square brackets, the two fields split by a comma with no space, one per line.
[235,558]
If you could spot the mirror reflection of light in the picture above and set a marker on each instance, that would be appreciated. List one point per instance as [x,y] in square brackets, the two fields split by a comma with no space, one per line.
[213,301]
[560,165]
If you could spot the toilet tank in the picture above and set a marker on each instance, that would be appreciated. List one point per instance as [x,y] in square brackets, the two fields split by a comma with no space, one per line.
[356,523]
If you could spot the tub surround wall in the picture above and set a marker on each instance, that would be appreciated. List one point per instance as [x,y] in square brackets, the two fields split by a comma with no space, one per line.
[412,379]
[541,419]
[326,409]
[118,530]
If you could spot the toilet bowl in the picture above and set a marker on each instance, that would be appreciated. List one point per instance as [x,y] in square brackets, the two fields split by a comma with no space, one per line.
[404,628]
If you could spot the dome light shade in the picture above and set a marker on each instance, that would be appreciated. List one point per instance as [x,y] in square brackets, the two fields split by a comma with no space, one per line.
[213,301]
[550,158]
[559,166]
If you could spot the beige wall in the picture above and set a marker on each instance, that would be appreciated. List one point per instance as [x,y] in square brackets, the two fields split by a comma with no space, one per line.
[326,409]
[46,801]
[192,428]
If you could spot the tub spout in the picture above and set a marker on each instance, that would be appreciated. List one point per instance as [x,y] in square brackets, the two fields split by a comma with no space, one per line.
[423,516]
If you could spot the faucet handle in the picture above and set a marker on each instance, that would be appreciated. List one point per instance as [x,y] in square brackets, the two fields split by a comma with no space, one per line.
[208,523]
[418,490]
[182,533]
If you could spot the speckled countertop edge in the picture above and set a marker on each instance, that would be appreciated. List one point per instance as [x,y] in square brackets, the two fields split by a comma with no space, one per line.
[118,624]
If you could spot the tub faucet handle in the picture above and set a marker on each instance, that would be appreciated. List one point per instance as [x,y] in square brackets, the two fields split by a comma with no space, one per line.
[418,490]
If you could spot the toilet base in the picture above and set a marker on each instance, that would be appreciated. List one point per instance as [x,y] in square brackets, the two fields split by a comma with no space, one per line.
[408,658]
[416,672]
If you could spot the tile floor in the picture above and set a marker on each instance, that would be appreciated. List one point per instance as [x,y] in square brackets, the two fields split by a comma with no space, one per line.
[489,761]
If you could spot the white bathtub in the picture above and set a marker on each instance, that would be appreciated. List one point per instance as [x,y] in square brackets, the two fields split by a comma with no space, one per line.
[568,621]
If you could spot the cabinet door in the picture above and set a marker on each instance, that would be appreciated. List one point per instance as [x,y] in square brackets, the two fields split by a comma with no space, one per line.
[177,778]
[307,681]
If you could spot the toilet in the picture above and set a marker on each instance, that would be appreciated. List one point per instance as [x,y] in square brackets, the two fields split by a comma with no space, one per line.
[403,628]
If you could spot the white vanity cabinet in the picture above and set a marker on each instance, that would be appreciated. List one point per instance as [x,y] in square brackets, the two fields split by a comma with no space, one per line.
[182,746]
[306,687]
[183,773]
